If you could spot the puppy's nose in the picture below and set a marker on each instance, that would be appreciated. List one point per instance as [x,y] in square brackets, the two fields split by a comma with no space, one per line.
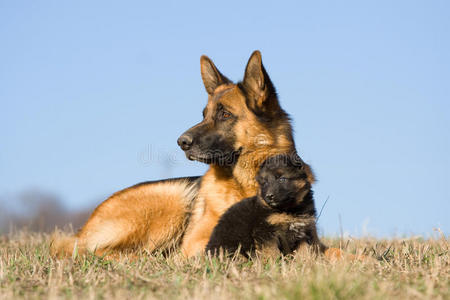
[270,197]
[185,141]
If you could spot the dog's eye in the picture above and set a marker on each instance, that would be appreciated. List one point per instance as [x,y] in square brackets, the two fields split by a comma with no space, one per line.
[226,115]
[282,179]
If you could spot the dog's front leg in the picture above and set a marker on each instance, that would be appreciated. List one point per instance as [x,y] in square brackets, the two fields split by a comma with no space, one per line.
[196,239]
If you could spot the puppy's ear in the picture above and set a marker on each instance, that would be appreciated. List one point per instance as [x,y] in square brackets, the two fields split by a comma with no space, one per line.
[299,163]
[212,78]
[309,173]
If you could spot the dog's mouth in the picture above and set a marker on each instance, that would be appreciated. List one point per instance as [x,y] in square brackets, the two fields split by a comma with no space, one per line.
[216,158]
[280,203]
[273,203]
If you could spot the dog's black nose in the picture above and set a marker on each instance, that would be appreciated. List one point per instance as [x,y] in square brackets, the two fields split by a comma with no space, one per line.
[185,141]
[270,197]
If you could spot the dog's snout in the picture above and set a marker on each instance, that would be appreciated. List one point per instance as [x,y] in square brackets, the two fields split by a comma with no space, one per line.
[185,141]
[270,197]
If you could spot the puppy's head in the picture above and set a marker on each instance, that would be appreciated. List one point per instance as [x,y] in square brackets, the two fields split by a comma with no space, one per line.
[284,180]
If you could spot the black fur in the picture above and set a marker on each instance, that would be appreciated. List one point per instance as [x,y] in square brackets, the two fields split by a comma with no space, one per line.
[284,193]
[212,140]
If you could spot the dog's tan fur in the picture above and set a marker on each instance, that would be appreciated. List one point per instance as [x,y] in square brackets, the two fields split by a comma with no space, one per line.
[219,188]
[149,216]
[159,215]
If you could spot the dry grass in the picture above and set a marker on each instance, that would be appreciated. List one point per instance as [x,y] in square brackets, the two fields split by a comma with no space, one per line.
[400,268]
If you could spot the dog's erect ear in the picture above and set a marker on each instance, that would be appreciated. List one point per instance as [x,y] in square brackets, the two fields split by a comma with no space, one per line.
[212,78]
[309,173]
[257,84]
[299,163]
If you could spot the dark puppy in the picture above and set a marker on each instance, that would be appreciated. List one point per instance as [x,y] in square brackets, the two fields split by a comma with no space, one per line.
[280,218]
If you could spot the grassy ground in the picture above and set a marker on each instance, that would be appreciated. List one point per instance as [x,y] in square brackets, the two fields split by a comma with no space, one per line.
[400,269]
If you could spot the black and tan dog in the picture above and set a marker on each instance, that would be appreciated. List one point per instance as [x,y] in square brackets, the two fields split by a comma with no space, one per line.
[280,218]
[243,124]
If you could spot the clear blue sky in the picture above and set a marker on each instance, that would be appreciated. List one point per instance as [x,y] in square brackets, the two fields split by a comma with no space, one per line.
[94,95]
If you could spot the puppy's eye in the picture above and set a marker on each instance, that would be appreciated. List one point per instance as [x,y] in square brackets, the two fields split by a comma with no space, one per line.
[282,179]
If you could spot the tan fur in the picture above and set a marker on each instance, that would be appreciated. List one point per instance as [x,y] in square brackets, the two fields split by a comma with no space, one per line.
[269,250]
[146,216]
[290,222]
[335,254]
[219,190]
[283,219]
[154,216]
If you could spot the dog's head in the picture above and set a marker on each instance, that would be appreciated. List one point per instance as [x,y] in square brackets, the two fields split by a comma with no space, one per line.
[238,117]
[284,180]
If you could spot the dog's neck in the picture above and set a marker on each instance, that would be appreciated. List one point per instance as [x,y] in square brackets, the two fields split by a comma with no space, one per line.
[246,168]
[244,171]
[306,205]
[304,209]
[242,174]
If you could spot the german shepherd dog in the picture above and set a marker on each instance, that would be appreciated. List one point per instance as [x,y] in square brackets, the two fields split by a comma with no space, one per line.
[281,218]
[243,124]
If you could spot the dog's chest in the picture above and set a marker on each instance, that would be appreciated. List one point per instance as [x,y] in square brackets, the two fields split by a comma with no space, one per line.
[297,229]
[290,230]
